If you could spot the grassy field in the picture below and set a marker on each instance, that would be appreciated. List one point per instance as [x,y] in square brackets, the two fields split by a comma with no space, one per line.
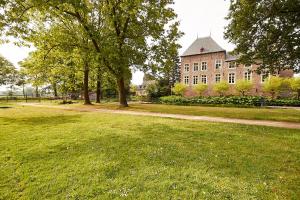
[288,115]
[56,154]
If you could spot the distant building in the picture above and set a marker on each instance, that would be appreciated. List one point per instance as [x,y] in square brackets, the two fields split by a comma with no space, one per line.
[206,62]
[142,89]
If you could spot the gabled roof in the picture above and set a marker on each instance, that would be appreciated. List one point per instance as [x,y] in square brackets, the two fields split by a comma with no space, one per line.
[231,57]
[203,46]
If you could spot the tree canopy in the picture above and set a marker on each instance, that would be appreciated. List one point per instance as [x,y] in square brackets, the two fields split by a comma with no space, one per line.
[266,32]
[125,35]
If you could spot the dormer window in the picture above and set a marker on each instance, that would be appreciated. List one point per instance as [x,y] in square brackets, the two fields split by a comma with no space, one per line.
[202,49]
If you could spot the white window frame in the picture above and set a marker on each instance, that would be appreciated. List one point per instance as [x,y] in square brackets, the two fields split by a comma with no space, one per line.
[218,64]
[216,78]
[197,67]
[229,78]
[262,80]
[204,77]
[187,68]
[249,76]
[206,65]
[186,80]
[231,67]
[195,80]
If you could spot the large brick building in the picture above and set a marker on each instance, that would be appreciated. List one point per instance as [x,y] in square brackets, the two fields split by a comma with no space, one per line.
[206,62]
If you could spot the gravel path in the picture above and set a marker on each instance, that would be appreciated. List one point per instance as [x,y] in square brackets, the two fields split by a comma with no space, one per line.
[278,124]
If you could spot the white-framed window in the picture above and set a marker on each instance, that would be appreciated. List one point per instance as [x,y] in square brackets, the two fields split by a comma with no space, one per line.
[204,79]
[231,65]
[195,80]
[186,80]
[218,64]
[187,67]
[218,78]
[264,77]
[196,67]
[231,78]
[247,76]
[204,66]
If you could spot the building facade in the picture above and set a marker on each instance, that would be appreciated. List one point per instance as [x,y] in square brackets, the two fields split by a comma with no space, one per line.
[208,63]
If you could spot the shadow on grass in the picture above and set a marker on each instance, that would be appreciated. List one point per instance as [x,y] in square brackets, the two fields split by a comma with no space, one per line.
[36,121]
[5,107]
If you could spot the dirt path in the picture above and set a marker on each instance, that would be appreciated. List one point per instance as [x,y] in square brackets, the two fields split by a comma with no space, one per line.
[178,116]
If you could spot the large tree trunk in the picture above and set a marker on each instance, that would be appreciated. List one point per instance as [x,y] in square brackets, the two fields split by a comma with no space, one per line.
[98,92]
[122,92]
[24,95]
[37,91]
[55,90]
[86,87]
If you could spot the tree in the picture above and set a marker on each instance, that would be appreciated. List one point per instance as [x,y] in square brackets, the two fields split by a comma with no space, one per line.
[179,89]
[125,34]
[200,88]
[8,73]
[266,33]
[273,86]
[295,85]
[243,86]
[221,88]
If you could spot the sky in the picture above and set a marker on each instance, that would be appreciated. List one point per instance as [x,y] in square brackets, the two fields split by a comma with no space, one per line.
[197,18]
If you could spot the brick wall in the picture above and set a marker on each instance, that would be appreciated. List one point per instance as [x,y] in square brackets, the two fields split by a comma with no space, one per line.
[224,71]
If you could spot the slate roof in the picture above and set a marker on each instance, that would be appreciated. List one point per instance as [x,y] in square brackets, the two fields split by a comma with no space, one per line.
[203,46]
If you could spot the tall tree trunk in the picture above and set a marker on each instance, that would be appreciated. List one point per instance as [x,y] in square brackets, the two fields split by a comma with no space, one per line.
[24,95]
[122,92]
[36,91]
[55,90]
[86,86]
[98,92]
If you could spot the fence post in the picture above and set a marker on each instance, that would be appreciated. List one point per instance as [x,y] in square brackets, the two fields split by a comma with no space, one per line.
[26,98]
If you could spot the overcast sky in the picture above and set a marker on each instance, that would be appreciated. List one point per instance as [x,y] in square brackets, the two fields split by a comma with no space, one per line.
[197,17]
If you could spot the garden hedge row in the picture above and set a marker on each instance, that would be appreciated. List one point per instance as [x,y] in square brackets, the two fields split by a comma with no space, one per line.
[231,100]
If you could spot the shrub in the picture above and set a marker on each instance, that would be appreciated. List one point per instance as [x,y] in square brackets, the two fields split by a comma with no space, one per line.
[295,85]
[200,88]
[221,88]
[179,89]
[273,86]
[243,86]
[232,101]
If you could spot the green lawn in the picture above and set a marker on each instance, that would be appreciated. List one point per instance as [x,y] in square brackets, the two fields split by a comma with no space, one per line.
[288,115]
[56,154]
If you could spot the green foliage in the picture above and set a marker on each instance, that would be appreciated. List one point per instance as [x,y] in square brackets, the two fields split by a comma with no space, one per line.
[179,89]
[122,35]
[243,86]
[273,85]
[232,100]
[267,31]
[200,88]
[8,73]
[221,88]
[295,85]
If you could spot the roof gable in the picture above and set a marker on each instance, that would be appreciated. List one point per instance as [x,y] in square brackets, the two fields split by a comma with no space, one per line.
[203,46]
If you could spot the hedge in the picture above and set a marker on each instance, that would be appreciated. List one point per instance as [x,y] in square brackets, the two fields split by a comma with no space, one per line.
[231,100]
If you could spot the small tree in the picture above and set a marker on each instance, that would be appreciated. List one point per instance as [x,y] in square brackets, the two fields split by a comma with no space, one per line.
[200,88]
[273,86]
[243,86]
[221,88]
[179,89]
[295,85]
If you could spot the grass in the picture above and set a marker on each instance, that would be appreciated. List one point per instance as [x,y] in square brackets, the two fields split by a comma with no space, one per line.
[288,115]
[57,154]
